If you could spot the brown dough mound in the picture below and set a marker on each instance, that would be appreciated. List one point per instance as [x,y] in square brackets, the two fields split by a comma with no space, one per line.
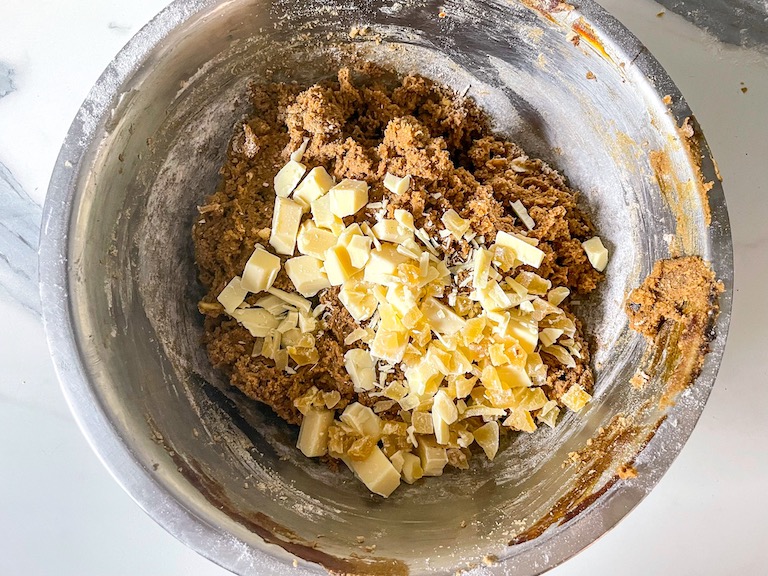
[362,130]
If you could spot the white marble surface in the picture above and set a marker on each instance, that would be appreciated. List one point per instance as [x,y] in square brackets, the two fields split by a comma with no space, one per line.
[61,513]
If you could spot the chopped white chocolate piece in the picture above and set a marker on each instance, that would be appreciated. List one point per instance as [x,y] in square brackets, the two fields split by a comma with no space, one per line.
[313,434]
[323,217]
[314,185]
[482,267]
[526,332]
[338,266]
[359,250]
[411,468]
[441,318]
[561,354]
[391,231]
[288,177]
[549,336]
[357,298]
[273,304]
[285,225]
[455,223]
[525,252]
[440,429]
[596,252]
[314,241]
[520,420]
[298,154]
[295,300]
[383,264]
[557,295]
[397,185]
[405,219]
[398,459]
[260,271]
[389,345]
[232,295]
[522,213]
[549,413]
[362,420]
[487,437]
[347,197]
[257,321]
[433,457]
[361,369]
[306,273]
[444,407]
[376,472]
[575,398]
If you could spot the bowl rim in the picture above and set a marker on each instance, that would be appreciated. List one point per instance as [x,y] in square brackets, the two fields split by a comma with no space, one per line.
[532,557]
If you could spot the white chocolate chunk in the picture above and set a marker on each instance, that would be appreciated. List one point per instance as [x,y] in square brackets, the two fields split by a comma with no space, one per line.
[288,177]
[440,429]
[411,469]
[522,213]
[487,437]
[323,217]
[232,295]
[357,298]
[362,420]
[294,300]
[397,185]
[298,154]
[549,413]
[441,318]
[338,266]
[433,457]
[359,250]
[285,225]
[454,223]
[549,336]
[347,197]
[557,295]
[376,472]
[260,271]
[405,219]
[527,333]
[389,345]
[525,252]
[314,241]
[313,434]
[361,369]
[444,407]
[482,267]
[257,321]
[315,184]
[520,420]
[383,264]
[306,273]
[575,398]
[596,252]
[391,231]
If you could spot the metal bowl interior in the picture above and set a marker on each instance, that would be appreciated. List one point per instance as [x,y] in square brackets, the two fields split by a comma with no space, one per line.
[220,472]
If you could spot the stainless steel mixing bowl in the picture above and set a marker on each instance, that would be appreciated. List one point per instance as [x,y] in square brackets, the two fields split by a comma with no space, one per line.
[221,473]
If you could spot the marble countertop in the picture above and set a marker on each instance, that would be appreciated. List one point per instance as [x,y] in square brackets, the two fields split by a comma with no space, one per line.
[60,511]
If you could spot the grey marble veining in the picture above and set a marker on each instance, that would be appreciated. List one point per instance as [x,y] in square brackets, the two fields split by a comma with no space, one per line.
[739,22]
[20,220]
[6,80]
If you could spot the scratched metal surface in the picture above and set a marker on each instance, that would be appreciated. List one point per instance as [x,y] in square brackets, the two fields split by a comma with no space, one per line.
[221,473]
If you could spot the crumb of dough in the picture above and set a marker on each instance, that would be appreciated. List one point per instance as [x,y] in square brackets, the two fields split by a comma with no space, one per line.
[625,472]
[362,125]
